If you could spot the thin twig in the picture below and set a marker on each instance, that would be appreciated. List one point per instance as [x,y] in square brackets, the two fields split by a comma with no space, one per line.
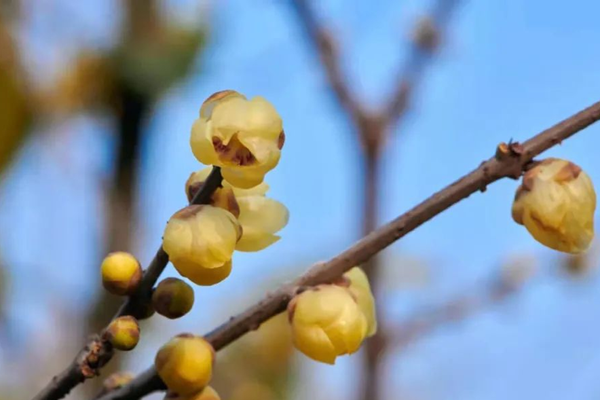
[426,38]
[509,165]
[453,311]
[97,352]
[325,47]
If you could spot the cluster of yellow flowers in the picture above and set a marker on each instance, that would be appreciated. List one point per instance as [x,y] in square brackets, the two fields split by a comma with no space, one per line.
[556,203]
[244,138]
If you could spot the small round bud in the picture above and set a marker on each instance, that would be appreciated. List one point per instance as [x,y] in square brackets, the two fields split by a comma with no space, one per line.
[116,381]
[185,364]
[121,273]
[145,310]
[208,393]
[123,333]
[173,298]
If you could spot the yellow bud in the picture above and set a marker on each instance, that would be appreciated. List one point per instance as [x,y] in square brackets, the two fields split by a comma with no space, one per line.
[243,137]
[556,203]
[199,239]
[223,197]
[208,393]
[123,333]
[185,364]
[173,298]
[121,273]
[361,290]
[327,323]
[116,380]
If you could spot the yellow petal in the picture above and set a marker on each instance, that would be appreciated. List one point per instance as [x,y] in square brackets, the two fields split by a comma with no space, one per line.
[253,240]
[260,218]
[264,120]
[200,237]
[206,276]
[201,142]
[217,98]
[361,289]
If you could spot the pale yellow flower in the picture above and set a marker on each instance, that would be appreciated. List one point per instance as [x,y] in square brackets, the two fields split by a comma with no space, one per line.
[556,203]
[243,137]
[200,241]
[326,323]
[185,364]
[260,217]
[361,290]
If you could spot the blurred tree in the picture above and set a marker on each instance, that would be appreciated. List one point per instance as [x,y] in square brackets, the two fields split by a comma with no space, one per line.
[150,57]
[258,366]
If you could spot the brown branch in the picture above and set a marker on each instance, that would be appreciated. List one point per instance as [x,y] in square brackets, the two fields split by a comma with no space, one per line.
[425,41]
[506,165]
[97,352]
[325,46]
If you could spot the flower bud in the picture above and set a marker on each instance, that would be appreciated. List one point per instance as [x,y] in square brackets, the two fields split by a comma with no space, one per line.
[185,364]
[223,197]
[123,333]
[145,310]
[121,273]
[327,323]
[173,298]
[259,216]
[208,393]
[116,381]
[243,137]
[556,203]
[200,241]
[361,290]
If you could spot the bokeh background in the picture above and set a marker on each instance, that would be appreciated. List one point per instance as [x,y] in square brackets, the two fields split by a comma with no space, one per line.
[96,103]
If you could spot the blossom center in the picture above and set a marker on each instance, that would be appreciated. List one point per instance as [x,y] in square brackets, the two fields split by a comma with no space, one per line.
[233,152]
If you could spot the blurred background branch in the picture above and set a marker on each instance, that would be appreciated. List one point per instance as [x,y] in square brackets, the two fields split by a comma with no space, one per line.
[372,130]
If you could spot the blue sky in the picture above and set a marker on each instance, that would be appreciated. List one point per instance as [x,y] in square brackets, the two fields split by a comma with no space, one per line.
[508,69]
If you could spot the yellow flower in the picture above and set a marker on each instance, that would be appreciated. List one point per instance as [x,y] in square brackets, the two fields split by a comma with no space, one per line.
[185,364]
[200,241]
[361,290]
[121,273]
[327,323]
[261,217]
[556,203]
[243,137]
